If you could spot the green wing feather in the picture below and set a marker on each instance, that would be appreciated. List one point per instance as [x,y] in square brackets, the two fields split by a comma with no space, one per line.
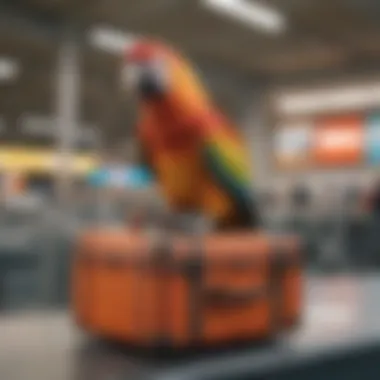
[226,162]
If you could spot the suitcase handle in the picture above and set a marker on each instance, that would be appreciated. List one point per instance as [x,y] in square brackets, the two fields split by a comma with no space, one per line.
[224,297]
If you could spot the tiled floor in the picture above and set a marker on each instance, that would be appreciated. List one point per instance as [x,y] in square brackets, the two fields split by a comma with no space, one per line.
[46,346]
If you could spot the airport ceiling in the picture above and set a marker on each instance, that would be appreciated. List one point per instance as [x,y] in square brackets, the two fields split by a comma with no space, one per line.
[322,37]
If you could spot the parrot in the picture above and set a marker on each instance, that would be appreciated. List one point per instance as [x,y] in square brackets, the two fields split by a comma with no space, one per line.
[195,155]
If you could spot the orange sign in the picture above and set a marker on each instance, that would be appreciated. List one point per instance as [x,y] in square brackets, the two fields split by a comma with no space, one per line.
[339,141]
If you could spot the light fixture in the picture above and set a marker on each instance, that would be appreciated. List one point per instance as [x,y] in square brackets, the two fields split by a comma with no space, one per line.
[109,39]
[9,69]
[259,16]
[333,99]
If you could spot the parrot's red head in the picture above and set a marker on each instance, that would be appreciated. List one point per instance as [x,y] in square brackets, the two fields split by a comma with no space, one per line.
[146,70]
[154,71]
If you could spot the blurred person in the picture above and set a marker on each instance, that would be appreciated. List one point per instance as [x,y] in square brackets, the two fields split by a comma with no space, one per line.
[300,196]
[197,157]
[369,204]
[299,200]
[372,199]
[357,226]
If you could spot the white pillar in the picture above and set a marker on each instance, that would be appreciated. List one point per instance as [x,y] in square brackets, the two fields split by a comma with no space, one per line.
[256,132]
[67,93]
[67,115]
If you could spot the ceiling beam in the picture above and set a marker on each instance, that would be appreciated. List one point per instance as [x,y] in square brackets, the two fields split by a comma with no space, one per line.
[33,24]
[309,77]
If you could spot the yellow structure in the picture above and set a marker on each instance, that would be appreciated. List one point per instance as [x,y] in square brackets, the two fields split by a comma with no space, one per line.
[26,160]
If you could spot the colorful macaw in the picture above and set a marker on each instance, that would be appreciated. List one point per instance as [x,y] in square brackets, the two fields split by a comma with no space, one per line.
[196,156]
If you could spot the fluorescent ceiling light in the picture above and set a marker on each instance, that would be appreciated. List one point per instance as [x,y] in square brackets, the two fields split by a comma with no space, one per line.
[110,40]
[9,69]
[252,13]
[335,99]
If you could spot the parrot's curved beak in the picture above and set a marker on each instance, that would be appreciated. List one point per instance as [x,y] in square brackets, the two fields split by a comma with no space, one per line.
[147,81]
[149,86]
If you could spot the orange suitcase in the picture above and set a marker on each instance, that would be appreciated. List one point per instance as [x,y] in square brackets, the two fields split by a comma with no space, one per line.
[225,288]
